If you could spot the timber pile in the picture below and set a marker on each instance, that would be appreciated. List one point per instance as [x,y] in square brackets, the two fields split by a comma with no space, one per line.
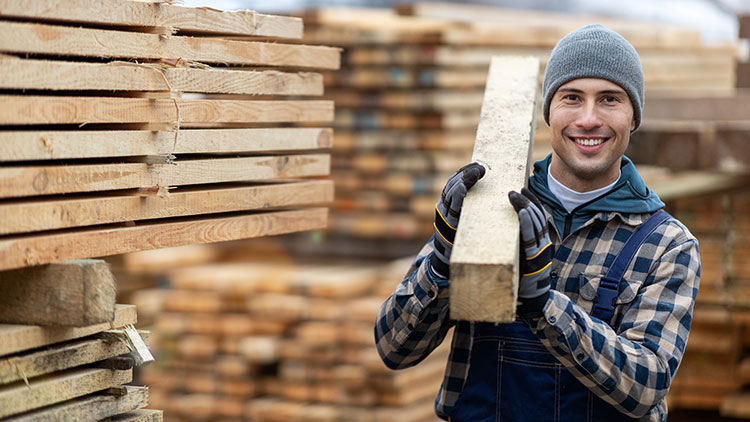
[743,64]
[410,89]
[715,372]
[109,144]
[280,342]
[62,372]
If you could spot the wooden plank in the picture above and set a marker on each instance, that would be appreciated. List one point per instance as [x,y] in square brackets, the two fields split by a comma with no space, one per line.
[405,77]
[43,145]
[17,398]
[58,357]
[406,120]
[707,109]
[443,100]
[21,251]
[33,38]
[20,181]
[141,415]
[484,278]
[379,225]
[16,338]
[67,212]
[692,184]
[73,293]
[551,26]
[736,405]
[399,140]
[155,14]
[744,26]
[743,75]
[126,76]
[473,56]
[94,407]
[33,109]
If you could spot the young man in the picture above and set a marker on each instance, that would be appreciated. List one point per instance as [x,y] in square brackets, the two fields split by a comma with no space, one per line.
[609,281]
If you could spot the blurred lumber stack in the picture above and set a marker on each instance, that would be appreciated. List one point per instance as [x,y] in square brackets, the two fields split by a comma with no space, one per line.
[410,89]
[716,366]
[280,342]
[743,64]
[109,144]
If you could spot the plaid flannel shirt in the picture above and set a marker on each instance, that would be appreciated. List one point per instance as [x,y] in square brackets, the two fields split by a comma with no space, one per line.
[630,366]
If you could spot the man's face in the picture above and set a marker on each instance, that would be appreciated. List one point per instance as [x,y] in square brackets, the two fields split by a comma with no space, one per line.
[591,120]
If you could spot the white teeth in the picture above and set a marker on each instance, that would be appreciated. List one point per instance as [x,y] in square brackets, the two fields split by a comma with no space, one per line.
[588,142]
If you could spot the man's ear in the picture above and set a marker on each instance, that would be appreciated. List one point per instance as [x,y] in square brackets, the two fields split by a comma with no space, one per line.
[632,125]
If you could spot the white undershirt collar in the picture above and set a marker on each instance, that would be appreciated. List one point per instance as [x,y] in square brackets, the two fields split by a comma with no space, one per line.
[571,199]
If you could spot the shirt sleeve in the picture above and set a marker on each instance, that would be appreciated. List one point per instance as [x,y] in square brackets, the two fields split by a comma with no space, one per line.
[413,321]
[633,366]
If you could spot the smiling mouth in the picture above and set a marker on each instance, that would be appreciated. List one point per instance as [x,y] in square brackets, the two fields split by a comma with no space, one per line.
[588,142]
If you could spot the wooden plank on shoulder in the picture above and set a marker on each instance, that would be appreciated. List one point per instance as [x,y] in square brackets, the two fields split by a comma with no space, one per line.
[16,338]
[94,407]
[74,293]
[34,38]
[66,212]
[17,398]
[44,145]
[22,181]
[155,14]
[22,251]
[18,73]
[33,109]
[484,261]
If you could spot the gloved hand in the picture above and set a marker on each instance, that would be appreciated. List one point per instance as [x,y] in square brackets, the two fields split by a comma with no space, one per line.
[447,212]
[536,253]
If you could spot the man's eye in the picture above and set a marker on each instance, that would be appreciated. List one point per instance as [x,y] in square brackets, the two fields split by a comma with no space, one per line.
[570,97]
[610,99]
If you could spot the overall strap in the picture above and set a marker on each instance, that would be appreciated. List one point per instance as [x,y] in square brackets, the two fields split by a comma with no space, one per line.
[609,286]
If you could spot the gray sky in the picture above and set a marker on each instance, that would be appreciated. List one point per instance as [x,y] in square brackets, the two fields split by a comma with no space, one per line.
[714,18]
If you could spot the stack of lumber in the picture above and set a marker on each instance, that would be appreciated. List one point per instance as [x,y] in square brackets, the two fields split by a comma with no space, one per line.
[66,349]
[699,133]
[743,64]
[110,144]
[410,89]
[280,342]
[716,367]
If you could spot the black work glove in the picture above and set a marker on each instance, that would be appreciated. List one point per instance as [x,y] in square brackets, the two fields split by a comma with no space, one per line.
[536,254]
[447,212]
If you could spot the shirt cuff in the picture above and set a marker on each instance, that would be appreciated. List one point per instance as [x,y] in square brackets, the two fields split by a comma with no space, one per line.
[558,325]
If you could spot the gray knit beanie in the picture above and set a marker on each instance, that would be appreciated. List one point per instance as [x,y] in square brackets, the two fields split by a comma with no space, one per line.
[595,52]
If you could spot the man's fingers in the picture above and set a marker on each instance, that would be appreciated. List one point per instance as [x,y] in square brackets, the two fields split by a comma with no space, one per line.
[529,194]
[518,201]
[471,174]
[528,234]
[456,195]
[537,209]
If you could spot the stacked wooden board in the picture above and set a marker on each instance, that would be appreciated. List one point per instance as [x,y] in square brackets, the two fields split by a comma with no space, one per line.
[410,88]
[716,366]
[275,341]
[52,373]
[110,145]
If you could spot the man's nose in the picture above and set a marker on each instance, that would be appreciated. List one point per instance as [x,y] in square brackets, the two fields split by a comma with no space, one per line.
[589,116]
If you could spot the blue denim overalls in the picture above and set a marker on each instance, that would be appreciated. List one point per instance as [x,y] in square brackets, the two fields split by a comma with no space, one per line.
[512,377]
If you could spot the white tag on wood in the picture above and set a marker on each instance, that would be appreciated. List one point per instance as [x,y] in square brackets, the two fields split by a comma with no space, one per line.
[141,353]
